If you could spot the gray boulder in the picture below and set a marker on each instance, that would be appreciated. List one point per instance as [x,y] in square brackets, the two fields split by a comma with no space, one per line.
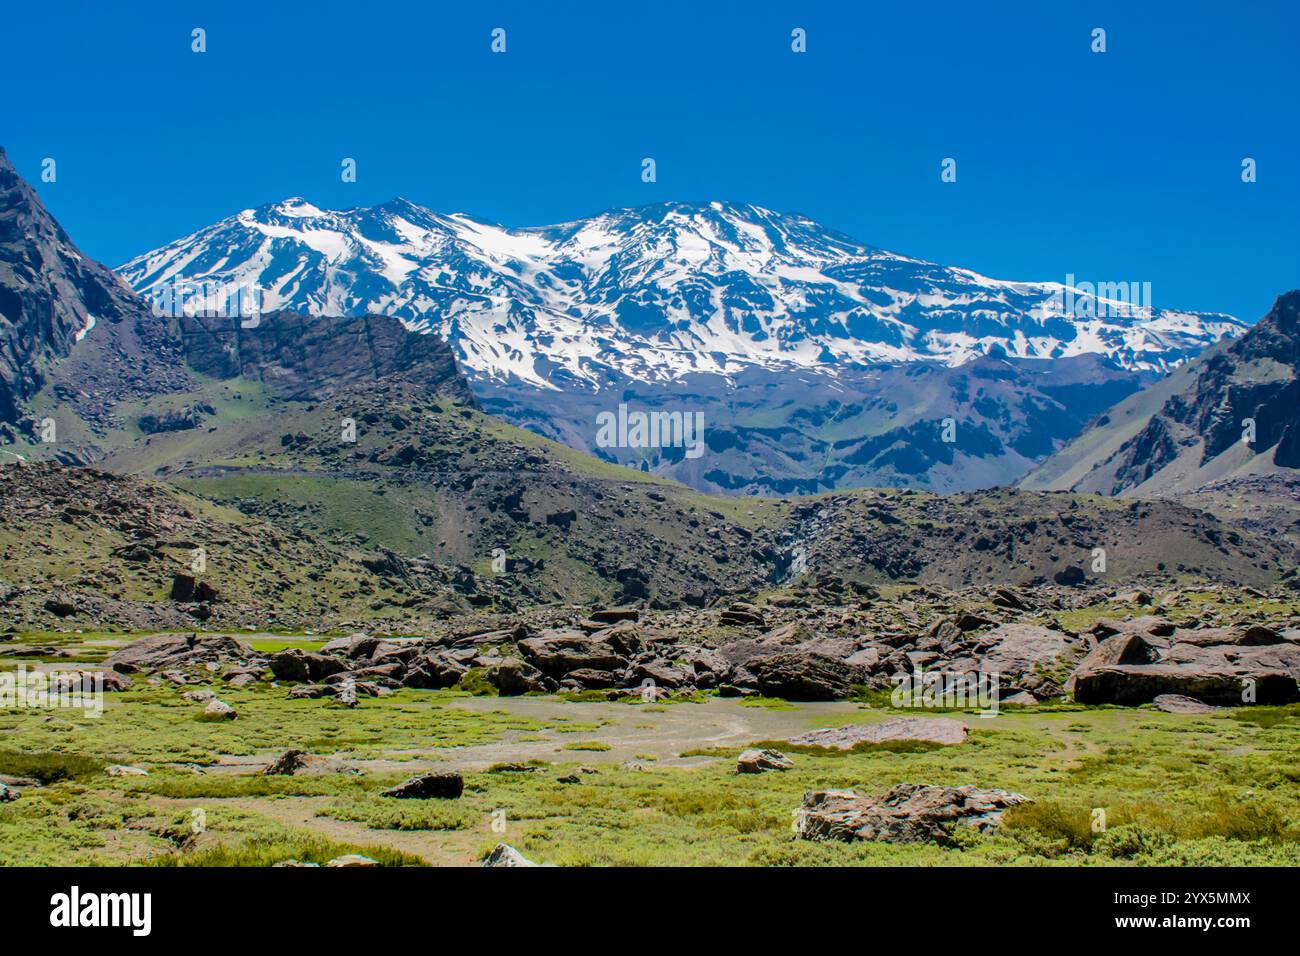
[757,761]
[908,813]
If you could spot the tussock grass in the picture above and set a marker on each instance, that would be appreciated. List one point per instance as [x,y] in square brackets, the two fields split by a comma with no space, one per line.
[49,766]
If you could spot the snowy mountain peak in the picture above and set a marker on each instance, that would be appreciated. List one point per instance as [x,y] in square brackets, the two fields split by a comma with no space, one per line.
[661,291]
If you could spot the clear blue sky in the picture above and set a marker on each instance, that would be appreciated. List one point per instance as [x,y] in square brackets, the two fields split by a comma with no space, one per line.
[1123,165]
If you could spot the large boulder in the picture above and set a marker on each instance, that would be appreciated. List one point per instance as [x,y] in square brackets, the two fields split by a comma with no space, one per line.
[558,652]
[1017,650]
[804,675]
[758,761]
[172,650]
[1133,684]
[437,784]
[1149,657]
[660,673]
[434,671]
[512,677]
[295,664]
[908,813]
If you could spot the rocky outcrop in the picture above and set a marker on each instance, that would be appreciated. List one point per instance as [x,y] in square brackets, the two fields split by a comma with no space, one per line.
[804,675]
[52,297]
[908,813]
[303,356]
[1232,411]
[1225,666]
[159,651]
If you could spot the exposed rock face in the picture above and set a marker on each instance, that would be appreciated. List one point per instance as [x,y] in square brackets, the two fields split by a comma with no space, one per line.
[813,652]
[52,297]
[939,730]
[1018,651]
[175,419]
[1237,402]
[908,813]
[301,356]
[1142,683]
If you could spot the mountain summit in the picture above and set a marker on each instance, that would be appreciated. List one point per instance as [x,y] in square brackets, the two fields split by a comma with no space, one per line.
[660,292]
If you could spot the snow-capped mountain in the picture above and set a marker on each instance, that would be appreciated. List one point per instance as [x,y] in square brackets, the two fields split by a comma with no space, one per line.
[659,292]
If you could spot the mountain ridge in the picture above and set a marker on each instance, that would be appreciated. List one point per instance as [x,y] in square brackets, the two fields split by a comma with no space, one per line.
[1221,433]
[655,292]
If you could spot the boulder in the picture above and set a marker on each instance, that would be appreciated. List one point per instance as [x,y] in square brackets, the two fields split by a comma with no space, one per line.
[434,671]
[1007,598]
[288,763]
[907,813]
[87,682]
[1127,647]
[805,676]
[176,650]
[1148,625]
[1072,576]
[294,761]
[437,784]
[123,770]
[1133,684]
[659,673]
[1255,635]
[503,854]
[1176,704]
[1016,650]
[295,664]
[612,616]
[591,679]
[150,652]
[219,710]
[558,652]
[742,614]
[512,677]
[757,761]
[1136,596]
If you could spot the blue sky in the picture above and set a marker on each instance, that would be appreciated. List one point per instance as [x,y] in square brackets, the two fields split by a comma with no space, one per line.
[1117,166]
